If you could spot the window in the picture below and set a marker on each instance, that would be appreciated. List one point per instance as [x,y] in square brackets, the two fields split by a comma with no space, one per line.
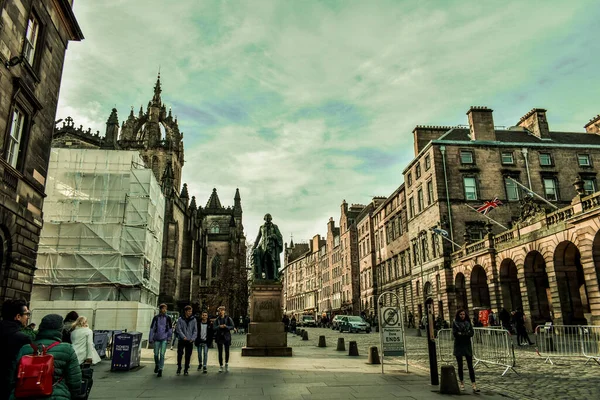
[507,158]
[584,160]
[409,179]
[470,188]
[31,38]
[589,185]
[429,192]
[214,228]
[545,159]
[411,207]
[512,190]
[418,170]
[427,162]
[15,138]
[550,189]
[420,199]
[466,157]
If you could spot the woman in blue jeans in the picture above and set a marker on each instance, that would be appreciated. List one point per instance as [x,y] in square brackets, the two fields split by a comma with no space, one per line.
[204,340]
[223,326]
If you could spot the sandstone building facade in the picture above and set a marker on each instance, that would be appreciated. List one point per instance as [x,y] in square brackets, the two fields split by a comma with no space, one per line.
[33,40]
[202,246]
[458,167]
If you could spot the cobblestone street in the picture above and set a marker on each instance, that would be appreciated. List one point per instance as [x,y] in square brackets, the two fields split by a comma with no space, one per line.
[569,379]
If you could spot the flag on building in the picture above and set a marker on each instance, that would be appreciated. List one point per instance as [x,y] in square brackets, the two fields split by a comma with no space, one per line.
[440,231]
[489,206]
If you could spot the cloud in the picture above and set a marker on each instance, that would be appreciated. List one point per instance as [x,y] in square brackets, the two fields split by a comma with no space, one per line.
[304,104]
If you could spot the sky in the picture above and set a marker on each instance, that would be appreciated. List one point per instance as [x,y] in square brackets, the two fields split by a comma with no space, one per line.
[304,104]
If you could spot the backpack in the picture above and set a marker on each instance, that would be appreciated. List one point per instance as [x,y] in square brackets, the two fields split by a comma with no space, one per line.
[35,375]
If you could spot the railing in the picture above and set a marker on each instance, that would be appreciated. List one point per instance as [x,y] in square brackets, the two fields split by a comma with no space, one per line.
[491,346]
[591,201]
[559,216]
[504,237]
[568,341]
[472,248]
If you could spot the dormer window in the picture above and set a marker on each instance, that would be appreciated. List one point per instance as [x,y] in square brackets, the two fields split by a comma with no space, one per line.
[466,157]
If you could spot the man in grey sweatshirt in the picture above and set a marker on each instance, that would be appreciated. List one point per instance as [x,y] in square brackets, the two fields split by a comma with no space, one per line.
[187,331]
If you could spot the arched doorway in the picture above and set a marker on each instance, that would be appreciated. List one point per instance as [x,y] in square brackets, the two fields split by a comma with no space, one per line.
[480,292]
[570,281]
[509,285]
[461,291]
[596,255]
[538,288]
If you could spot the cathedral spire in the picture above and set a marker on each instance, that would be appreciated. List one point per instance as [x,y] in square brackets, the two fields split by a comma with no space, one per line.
[156,101]
[213,201]
[237,203]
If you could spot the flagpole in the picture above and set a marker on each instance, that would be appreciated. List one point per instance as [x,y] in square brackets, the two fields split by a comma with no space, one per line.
[532,192]
[447,238]
[483,215]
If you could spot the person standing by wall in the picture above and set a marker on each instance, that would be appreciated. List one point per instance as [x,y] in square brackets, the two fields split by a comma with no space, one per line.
[462,330]
[187,331]
[223,327]
[14,318]
[204,340]
[160,335]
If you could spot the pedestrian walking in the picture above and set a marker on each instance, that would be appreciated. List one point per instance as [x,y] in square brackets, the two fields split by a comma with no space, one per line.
[241,329]
[160,335]
[286,322]
[462,330]
[82,340]
[14,317]
[504,317]
[223,327]
[522,336]
[411,320]
[68,326]
[187,331]
[293,323]
[67,374]
[204,340]
[491,318]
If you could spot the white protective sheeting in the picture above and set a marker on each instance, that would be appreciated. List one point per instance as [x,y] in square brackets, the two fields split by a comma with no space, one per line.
[103,222]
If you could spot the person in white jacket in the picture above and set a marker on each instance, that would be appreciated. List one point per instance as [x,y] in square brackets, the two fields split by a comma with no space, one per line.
[82,339]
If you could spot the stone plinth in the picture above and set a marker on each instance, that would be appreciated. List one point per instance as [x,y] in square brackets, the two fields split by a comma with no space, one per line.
[266,333]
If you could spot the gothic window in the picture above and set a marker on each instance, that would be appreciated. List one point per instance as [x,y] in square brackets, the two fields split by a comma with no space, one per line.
[214,228]
[215,266]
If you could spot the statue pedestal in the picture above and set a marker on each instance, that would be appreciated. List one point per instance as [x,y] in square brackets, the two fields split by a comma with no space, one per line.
[266,333]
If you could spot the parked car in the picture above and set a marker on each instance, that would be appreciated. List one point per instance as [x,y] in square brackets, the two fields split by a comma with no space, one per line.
[353,324]
[307,320]
[335,322]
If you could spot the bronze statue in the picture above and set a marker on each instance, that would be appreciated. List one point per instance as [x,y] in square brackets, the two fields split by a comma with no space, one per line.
[267,248]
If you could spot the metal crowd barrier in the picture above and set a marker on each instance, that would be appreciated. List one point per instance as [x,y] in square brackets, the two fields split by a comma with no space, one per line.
[568,341]
[490,346]
[494,346]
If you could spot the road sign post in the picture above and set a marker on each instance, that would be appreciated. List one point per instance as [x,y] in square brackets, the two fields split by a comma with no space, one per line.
[391,330]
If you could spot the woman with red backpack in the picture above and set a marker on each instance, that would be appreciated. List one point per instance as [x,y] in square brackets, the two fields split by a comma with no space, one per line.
[64,382]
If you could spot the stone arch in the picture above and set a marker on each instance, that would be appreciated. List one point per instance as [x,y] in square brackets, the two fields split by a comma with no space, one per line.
[460,286]
[215,266]
[509,285]
[570,281]
[480,292]
[538,287]
[596,255]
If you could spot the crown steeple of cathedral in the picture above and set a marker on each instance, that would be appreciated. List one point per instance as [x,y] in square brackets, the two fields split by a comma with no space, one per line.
[156,100]
[213,201]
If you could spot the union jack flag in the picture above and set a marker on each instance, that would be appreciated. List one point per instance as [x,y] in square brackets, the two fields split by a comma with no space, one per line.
[489,206]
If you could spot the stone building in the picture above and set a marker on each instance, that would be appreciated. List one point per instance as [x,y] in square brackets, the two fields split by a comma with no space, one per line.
[33,41]
[550,269]
[204,249]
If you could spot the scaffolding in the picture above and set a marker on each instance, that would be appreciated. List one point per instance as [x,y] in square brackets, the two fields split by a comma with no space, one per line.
[103,228]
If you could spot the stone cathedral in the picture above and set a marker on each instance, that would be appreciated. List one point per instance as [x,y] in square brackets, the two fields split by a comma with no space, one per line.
[201,245]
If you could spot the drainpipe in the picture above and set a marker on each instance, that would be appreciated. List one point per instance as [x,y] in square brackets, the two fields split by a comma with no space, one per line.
[524,151]
[443,151]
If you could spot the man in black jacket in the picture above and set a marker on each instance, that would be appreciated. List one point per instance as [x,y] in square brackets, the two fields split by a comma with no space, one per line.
[14,317]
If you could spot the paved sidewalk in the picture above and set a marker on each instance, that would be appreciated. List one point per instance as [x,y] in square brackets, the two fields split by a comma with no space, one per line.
[312,373]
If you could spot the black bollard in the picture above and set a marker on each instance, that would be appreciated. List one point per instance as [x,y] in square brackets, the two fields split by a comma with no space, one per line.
[353,349]
[341,346]
[448,382]
[373,355]
[322,341]
[304,335]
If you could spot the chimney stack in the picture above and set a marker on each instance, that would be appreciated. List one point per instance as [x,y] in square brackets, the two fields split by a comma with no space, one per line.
[423,134]
[535,122]
[481,123]
[594,125]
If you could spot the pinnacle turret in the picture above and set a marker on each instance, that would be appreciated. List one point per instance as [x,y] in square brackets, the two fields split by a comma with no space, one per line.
[156,101]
